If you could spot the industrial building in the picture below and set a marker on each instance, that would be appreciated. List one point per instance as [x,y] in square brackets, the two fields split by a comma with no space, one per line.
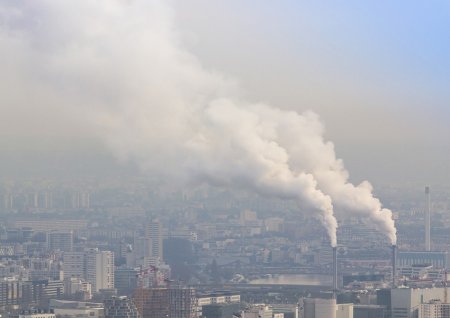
[435,259]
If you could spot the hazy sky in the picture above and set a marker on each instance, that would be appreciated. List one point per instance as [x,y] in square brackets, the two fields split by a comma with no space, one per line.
[377,72]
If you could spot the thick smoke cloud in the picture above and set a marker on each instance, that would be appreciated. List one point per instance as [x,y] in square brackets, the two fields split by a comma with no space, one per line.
[119,68]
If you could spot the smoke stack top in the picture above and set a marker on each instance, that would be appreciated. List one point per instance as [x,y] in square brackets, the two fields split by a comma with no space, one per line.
[153,103]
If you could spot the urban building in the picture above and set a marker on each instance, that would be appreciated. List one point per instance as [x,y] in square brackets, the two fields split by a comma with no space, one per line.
[224,310]
[126,280]
[407,302]
[65,308]
[258,311]
[36,314]
[434,309]
[154,237]
[100,269]
[174,302]
[288,310]
[120,307]
[325,308]
[368,311]
[74,264]
[92,265]
[78,287]
[436,259]
[60,241]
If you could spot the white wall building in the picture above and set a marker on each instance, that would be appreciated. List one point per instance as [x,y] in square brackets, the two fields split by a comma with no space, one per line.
[92,265]
[100,269]
[74,264]
[407,302]
[325,308]
[434,309]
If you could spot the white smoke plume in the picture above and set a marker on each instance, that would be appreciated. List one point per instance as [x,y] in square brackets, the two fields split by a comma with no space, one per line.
[120,66]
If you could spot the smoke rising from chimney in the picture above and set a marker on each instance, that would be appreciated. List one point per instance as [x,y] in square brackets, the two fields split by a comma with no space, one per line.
[120,66]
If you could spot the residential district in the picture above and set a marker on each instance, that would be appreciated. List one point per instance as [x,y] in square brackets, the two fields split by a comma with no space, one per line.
[129,248]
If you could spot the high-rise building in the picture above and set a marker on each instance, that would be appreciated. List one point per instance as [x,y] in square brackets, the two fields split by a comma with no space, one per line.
[74,264]
[407,302]
[434,309]
[120,307]
[126,280]
[166,302]
[154,240]
[96,267]
[325,308]
[100,269]
[60,240]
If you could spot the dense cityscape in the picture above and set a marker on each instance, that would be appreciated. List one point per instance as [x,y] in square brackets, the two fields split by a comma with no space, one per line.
[130,248]
[224,159]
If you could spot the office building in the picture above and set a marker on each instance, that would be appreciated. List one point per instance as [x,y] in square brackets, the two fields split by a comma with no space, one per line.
[120,307]
[100,269]
[36,314]
[154,240]
[92,265]
[74,264]
[258,311]
[225,310]
[325,308]
[65,308]
[60,241]
[407,302]
[176,302]
[434,309]
[368,311]
[126,280]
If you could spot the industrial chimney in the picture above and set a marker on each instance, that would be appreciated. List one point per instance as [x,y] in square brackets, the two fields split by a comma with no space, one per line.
[335,274]
[428,220]
[394,265]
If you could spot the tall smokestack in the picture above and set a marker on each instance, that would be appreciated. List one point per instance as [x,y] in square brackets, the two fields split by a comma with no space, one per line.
[394,265]
[335,274]
[428,220]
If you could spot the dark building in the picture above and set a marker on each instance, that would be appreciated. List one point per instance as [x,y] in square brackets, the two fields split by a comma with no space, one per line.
[368,311]
[384,299]
[170,302]
[120,307]
[220,310]
[125,280]
[347,279]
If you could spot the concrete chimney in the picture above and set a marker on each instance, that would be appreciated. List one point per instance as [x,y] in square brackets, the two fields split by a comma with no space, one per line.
[335,273]
[428,220]
[394,265]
